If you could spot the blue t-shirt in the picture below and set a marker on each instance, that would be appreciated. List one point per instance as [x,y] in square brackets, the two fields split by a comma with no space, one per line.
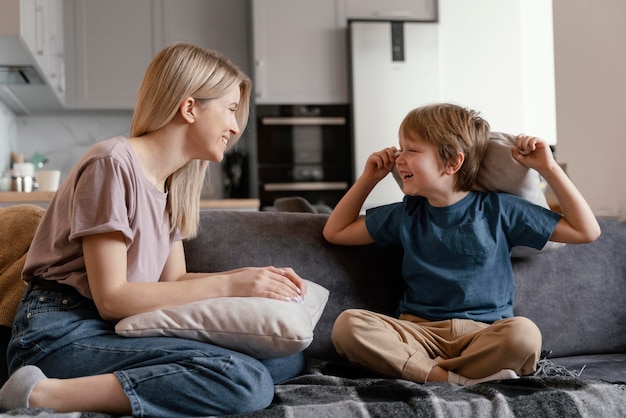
[457,259]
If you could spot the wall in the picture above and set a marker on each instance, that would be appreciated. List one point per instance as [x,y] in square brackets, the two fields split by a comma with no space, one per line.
[590,64]
[64,138]
[496,57]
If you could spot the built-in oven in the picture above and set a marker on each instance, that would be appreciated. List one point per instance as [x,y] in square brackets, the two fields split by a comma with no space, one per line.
[303,150]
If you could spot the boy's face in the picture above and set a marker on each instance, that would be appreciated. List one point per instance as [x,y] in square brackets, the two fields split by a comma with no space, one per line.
[421,169]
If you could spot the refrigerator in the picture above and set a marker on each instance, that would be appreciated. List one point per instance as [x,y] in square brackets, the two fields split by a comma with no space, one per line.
[394,67]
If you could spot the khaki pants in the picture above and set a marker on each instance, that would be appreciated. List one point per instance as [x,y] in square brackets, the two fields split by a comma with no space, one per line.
[409,347]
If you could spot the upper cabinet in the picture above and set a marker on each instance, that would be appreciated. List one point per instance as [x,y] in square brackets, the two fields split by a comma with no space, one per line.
[299,52]
[111,43]
[32,61]
[42,31]
[299,46]
[215,24]
[415,10]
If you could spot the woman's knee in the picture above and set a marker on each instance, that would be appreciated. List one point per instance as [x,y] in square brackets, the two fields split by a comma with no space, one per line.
[240,385]
[252,389]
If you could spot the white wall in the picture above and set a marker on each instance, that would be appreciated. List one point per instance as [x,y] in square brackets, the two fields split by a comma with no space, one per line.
[496,57]
[590,64]
[63,139]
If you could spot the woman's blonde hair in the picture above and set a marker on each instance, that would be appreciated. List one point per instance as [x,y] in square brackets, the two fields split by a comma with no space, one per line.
[452,129]
[179,71]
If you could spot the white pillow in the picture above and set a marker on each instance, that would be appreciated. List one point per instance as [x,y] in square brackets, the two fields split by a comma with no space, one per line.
[500,172]
[261,327]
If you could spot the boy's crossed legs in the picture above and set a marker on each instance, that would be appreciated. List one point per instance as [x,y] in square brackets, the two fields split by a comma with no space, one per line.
[457,350]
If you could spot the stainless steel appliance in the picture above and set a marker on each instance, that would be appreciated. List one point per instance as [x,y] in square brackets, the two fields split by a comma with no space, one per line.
[394,68]
[303,150]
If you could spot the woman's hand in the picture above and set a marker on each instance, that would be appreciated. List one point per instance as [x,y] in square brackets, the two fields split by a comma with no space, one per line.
[269,282]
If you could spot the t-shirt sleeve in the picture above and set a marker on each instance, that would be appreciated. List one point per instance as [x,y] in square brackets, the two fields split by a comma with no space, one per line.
[101,202]
[528,224]
[383,223]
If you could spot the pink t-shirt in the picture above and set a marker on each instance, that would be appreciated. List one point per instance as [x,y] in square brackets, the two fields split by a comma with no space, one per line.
[106,191]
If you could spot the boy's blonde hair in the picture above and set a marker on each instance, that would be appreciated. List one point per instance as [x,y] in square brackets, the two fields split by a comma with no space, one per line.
[179,71]
[452,129]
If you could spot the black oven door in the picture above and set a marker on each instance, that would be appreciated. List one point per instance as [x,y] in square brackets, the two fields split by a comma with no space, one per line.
[304,151]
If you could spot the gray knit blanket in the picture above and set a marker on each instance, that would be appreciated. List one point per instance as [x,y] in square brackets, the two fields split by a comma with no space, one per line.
[330,390]
[322,393]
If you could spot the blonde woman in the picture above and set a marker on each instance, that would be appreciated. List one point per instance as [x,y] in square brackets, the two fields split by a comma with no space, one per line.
[110,246]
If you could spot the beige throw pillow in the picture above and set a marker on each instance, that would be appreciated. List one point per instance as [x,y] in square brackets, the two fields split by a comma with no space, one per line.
[500,172]
[261,327]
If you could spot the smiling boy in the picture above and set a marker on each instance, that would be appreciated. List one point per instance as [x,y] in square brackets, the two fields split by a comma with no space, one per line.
[455,321]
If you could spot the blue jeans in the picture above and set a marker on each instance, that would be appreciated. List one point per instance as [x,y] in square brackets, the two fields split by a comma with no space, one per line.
[63,334]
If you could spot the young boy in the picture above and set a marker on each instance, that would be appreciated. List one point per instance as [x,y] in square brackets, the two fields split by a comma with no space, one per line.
[455,319]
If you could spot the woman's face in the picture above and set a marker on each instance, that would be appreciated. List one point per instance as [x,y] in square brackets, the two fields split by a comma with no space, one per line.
[214,124]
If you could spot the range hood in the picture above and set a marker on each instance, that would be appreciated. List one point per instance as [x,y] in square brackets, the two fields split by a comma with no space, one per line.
[23,87]
[19,75]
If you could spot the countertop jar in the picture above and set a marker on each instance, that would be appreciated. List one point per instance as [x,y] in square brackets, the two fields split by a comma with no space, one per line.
[22,184]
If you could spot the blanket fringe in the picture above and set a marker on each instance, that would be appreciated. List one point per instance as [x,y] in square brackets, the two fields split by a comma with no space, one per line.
[547,368]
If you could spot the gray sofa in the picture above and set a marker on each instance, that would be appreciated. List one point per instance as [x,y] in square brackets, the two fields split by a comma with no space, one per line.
[575,294]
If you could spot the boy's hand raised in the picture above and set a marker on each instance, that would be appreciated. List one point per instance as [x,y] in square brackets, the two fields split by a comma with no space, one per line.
[380,163]
[533,152]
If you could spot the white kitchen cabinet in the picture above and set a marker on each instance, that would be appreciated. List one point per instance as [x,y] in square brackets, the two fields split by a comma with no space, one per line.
[423,10]
[299,52]
[114,41]
[213,24]
[111,44]
[42,31]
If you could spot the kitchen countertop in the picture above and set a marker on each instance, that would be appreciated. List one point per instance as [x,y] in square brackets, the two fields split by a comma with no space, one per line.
[23,197]
[215,204]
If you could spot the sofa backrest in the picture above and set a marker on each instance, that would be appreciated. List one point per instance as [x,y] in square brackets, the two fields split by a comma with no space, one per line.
[574,294]
[355,276]
[577,294]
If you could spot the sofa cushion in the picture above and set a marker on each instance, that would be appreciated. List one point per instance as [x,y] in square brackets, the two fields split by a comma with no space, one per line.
[261,327]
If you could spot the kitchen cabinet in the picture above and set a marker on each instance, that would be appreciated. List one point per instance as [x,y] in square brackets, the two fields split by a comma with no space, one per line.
[299,49]
[213,24]
[110,44]
[113,42]
[423,10]
[299,46]
[42,31]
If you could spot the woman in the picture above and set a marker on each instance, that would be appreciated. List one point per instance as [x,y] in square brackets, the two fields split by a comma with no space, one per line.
[110,246]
